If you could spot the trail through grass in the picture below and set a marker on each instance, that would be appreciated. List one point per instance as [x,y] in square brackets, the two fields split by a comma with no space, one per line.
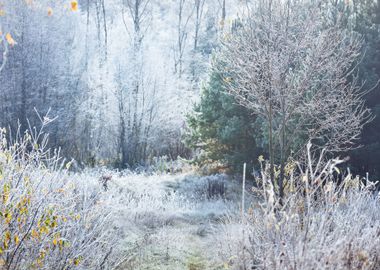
[170,222]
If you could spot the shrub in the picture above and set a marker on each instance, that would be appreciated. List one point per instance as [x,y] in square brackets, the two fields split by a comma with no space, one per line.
[319,224]
[48,220]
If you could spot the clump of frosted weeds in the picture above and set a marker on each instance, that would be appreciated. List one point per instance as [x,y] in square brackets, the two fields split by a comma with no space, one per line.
[48,218]
[321,223]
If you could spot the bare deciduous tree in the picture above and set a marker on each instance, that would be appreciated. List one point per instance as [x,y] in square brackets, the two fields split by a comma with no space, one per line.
[199,9]
[133,116]
[182,33]
[294,67]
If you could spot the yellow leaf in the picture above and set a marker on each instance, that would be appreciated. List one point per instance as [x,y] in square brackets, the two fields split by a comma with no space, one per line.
[55,242]
[17,240]
[35,234]
[8,218]
[74,5]
[50,11]
[7,236]
[44,230]
[10,39]
[77,260]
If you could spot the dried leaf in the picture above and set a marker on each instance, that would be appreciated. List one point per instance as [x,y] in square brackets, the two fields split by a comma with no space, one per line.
[50,11]
[10,39]
[74,5]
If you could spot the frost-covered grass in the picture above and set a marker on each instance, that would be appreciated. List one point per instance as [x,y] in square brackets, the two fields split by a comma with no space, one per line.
[319,224]
[168,220]
[51,218]
[344,235]
[170,223]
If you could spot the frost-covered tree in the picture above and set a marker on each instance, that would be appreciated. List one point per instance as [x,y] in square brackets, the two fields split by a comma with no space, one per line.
[39,62]
[293,65]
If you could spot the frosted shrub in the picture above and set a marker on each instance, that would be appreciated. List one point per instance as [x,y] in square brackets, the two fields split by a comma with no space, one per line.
[320,223]
[47,219]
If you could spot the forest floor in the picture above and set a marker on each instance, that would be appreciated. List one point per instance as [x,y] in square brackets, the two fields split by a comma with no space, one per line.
[170,221]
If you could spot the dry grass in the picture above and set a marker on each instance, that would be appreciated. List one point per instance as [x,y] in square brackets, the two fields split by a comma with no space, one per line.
[320,225]
[53,219]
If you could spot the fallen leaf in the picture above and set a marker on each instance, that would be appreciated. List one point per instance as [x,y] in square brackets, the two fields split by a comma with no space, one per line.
[74,5]
[50,11]
[10,39]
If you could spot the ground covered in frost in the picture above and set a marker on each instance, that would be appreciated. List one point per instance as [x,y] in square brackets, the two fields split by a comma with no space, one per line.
[170,222]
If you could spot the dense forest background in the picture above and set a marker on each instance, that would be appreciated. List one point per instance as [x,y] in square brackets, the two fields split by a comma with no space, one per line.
[130,80]
[120,75]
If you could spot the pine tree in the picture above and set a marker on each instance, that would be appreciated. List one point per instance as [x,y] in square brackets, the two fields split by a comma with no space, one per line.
[221,129]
